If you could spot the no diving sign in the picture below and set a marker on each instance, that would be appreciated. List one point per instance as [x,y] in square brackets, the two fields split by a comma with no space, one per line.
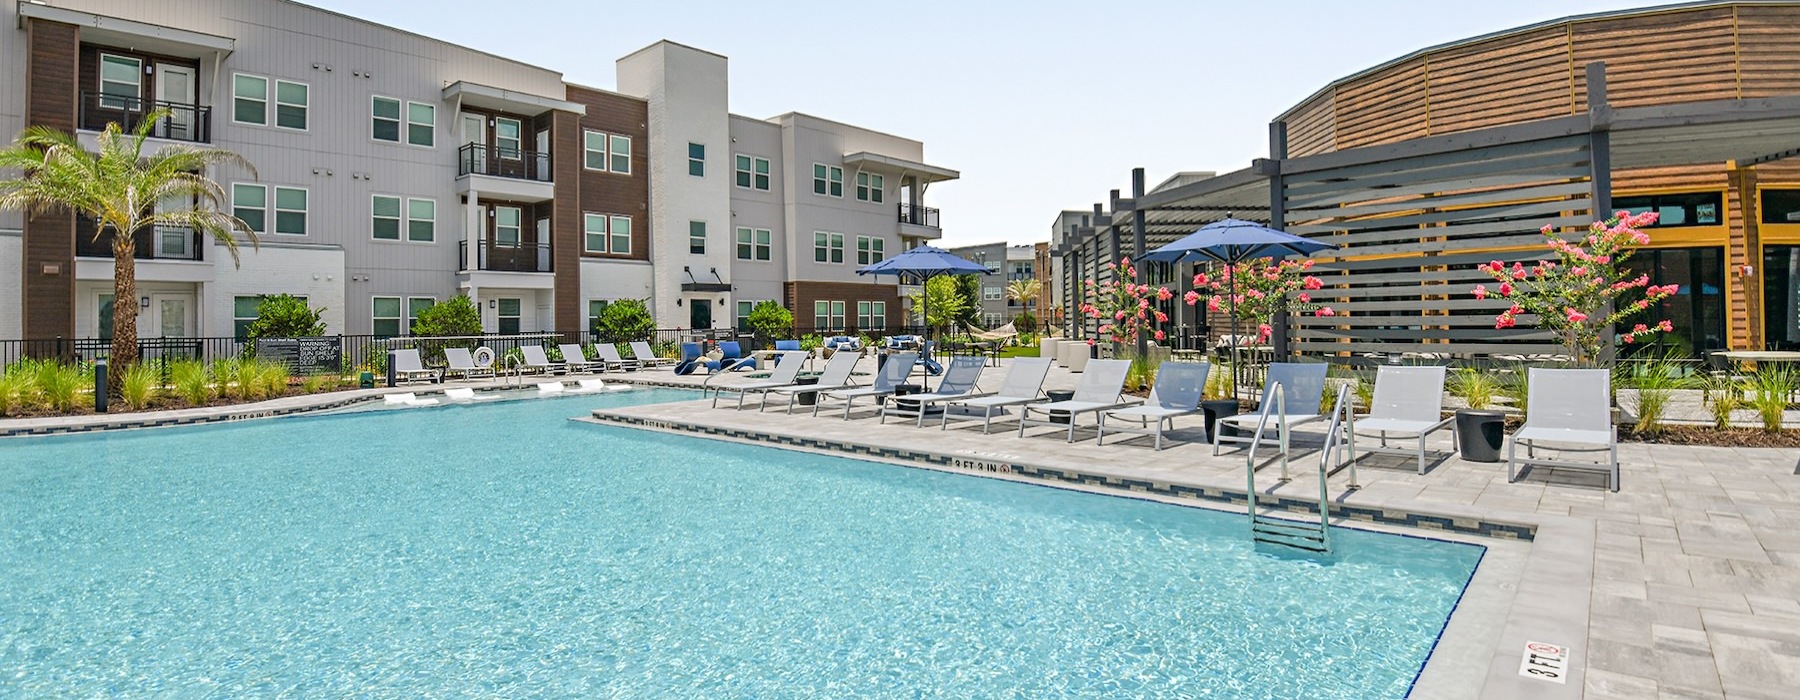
[1545,662]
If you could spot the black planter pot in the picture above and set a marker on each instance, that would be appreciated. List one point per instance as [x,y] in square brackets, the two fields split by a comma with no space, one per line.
[1479,434]
[1056,395]
[1215,409]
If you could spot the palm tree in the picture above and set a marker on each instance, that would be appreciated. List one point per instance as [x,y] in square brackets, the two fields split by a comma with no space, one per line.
[1025,292]
[118,186]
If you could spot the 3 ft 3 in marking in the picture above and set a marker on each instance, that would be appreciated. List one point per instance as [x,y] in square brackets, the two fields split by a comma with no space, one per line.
[1545,662]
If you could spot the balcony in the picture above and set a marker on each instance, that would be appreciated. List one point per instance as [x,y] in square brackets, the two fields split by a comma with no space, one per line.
[161,243]
[495,161]
[494,256]
[918,215]
[186,122]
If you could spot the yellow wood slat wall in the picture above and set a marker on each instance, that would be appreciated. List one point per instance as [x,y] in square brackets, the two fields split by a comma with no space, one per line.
[1389,106]
[1512,79]
[1313,128]
[1769,50]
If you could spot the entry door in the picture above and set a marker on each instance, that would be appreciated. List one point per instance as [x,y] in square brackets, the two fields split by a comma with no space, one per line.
[175,89]
[699,313]
[172,315]
[474,130]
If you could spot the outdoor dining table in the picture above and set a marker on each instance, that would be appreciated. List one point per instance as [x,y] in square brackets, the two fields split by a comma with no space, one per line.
[1761,357]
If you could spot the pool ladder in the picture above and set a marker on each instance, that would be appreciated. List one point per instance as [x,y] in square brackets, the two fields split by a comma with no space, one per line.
[1296,534]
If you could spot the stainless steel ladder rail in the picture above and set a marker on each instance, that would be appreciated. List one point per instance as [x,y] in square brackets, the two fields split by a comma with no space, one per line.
[512,368]
[1280,531]
[1342,414]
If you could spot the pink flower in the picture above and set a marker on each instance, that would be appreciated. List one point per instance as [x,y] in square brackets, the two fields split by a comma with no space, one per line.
[1313,283]
[1603,259]
[1578,271]
[1119,315]
[1515,310]
[1143,303]
[1090,342]
[1506,289]
[1192,297]
[1200,279]
[1212,304]
[1161,318]
[1263,331]
[1163,294]
[1518,271]
[1628,339]
[1665,326]
[1495,266]
[1504,321]
[1480,292]
[1306,264]
[1640,238]
[1545,230]
[1305,298]
[1106,328]
[1327,312]
[1639,328]
[1160,335]
[1575,316]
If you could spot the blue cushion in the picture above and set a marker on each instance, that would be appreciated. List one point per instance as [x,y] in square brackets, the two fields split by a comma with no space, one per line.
[787,345]
[731,349]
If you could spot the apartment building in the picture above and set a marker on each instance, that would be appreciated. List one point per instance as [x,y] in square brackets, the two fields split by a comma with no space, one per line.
[1008,263]
[393,171]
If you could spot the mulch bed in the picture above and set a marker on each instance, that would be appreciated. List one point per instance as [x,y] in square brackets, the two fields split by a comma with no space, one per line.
[1704,435]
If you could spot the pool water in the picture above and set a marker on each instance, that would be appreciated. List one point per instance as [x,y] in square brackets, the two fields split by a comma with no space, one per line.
[503,551]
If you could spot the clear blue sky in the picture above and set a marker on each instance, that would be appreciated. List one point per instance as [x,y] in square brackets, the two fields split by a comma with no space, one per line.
[1041,105]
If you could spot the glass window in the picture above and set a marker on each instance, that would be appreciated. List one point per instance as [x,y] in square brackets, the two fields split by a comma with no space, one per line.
[837,314]
[828,247]
[743,313]
[762,174]
[413,306]
[243,312]
[869,187]
[743,171]
[290,104]
[385,316]
[104,320]
[507,225]
[1697,309]
[697,159]
[249,99]
[992,293]
[877,316]
[862,314]
[290,211]
[821,184]
[386,215]
[121,82]
[1780,206]
[1675,210]
[384,113]
[421,124]
[509,316]
[870,250]
[1781,296]
[596,307]
[621,154]
[593,228]
[764,243]
[421,220]
[250,204]
[697,237]
[507,135]
[593,150]
[821,315]
[620,229]
[837,182]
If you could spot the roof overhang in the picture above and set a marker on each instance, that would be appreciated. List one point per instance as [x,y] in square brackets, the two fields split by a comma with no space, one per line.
[131,34]
[877,163]
[503,100]
[716,287]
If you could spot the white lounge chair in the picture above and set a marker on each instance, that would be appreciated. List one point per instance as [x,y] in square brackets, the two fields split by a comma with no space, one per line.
[647,357]
[407,367]
[836,375]
[787,369]
[536,360]
[550,388]
[407,399]
[959,382]
[610,359]
[575,361]
[588,386]
[1023,385]
[1302,389]
[1408,402]
[1567,407]
[464,393]
[462,363]
[1177,392]
[893,373]
[1102,382]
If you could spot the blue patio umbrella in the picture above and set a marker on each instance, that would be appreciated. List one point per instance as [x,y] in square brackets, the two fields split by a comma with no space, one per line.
[1232,241]
[918,266]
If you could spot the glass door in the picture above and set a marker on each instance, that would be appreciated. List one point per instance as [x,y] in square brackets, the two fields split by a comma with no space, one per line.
[175,89]
[474,131]
[1781,297]
[699,313]
[174,315]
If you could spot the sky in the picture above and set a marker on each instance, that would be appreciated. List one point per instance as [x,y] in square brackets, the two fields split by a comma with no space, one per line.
[1042,106]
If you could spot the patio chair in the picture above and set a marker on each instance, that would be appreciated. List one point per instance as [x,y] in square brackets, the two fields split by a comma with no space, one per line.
[836,375]
[462,363]
[646,357]
[1023,385]
[894,373]
[958,383]
[1177,392]
[693,357]
[575,361]
[535,360]
[407,367]
[1302,390]
[734,358]
[1567,407]
[466,394]
[607,355]
[1409,401]
[836,343]
[1099,390]
[787,369]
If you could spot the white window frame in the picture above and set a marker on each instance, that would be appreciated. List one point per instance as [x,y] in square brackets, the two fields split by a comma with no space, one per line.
[519,228]
[264,99]
[701,239]
[877,316]
[500,314]
[399,119]
[613,236]
[518,147]
[692,161]
[398,320]
[588,232]
[594,318]
[614,154]
[410,219]
[744,307]
[743,171]
[275,210]
[235,318]
[761,242]
[265,208]
[137,95]
[399,217]
[588,150]
[837,315]
[411,315]
[834,177]
[870,187]
[870,250]
[766,173]
[276,104]
[834,243]
[430,126]
[993,293]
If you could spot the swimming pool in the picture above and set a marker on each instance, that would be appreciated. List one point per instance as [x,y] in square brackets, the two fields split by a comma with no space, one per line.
[502,551]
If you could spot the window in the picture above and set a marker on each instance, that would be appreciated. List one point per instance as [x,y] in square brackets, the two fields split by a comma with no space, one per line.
[508,133]
[697,159]
[250,204]
[1673,210]
[384,115]
[421,124]
[1781,296]
[743,313]
[507,225]
[421,220]
[105,318]
[620,229]
[697,237]
[828,315]
[621,154]
[992,293]
[596,307]
[290,211]
[385,316]
[753,243]
[414,305]
[593,150]
[870,250]
[385,215]
[290,105]
[249,99]
[828,180]
[828,247]
[121,82]
[1781,206]
[869,187]
[753,172]
[243,313]
[593,227]
[509,316]
[871,315]
[1698,310]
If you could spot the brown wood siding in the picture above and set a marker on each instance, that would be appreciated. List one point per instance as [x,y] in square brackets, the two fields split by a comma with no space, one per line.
[565,223]
[1768,50]
[1386,107]
[1661,58]
[802,294]
[1313,129]
[1511,79]
[605,192]
[48,300]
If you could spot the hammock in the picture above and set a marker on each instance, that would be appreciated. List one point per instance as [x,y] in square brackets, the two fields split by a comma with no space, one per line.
[1001,333]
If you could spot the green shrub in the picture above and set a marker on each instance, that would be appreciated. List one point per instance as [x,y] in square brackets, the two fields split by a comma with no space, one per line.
[225,374]
[142,385]
[59,384]
[18,386]
[1513,385]
[1025,322]
[1772,387]
[811,342]
[1655,381]
[1475,387]
[770,321]
[273,378]
[284,316]
[624,321]
[191,382]
[456,316]
[319,383]
[1727,396]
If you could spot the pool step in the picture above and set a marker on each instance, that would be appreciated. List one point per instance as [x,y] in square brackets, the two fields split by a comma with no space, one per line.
[1287,533]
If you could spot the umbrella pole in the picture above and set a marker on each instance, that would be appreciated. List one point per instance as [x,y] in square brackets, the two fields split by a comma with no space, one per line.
[925,350]
[1236,371]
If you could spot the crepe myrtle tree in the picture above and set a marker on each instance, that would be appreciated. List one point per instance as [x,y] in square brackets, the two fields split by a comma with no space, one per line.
[122,189]
[1255,291]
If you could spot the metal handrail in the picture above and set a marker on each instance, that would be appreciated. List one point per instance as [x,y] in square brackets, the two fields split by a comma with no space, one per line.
[1278,404]
[1342,413]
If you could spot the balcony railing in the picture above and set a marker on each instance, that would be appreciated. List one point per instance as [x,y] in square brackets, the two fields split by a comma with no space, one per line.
[160,243]
[488,159]
[186,122]
[496,256]
[919,216]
